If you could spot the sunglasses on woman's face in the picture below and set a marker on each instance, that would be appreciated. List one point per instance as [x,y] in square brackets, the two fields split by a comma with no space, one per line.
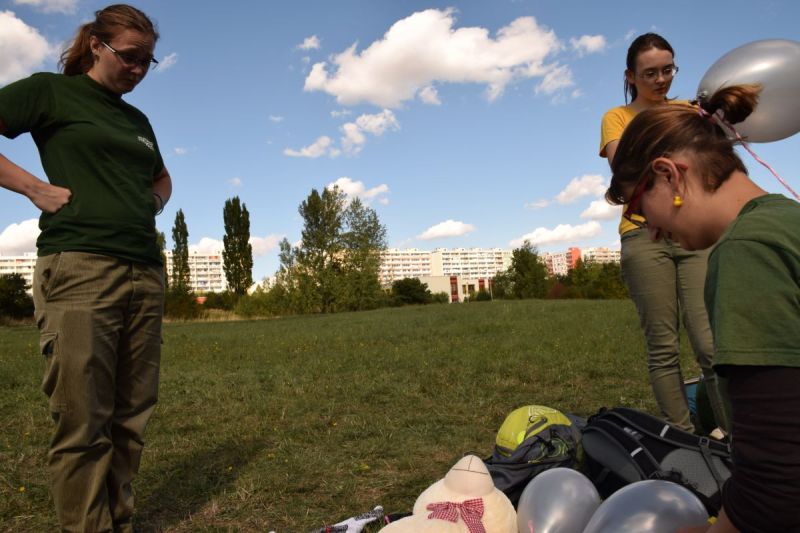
[634,208]
[132,60]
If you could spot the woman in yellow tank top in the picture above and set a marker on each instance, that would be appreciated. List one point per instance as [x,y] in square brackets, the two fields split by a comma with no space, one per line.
[665,281]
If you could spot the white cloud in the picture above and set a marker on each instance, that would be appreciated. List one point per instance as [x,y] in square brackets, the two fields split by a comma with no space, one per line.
[448,228]
[50,6]
[317,149]
[586,185]
[276,119]
[336,113]
[556,78]
[354,138]
[602,210]
[236,182]
[23,48]
[207,246]
[588,44]
[17,239]
[168,62]
[179,150]
[538,204]
[355,189]
[425,48]
[309,43]
[560,234]
[263,245]
[429,95]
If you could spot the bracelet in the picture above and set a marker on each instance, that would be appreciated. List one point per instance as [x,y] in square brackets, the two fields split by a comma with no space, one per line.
[160,203]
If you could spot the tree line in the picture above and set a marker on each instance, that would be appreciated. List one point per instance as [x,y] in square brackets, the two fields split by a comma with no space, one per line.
[334,267]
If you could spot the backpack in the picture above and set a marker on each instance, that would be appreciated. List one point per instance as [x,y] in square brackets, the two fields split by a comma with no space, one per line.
[623,445]
[531,440]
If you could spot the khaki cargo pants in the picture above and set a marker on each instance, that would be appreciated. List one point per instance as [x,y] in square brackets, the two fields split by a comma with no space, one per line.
[99,319]
[666,283]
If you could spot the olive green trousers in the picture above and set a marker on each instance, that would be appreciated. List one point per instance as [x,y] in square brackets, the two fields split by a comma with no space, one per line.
[100,332]
[666,283]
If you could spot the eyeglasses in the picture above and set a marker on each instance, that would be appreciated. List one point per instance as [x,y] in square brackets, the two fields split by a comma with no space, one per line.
[634,204]
[132,60]
[652,74]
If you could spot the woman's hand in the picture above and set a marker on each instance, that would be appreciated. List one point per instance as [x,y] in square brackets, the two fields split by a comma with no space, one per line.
[49,198]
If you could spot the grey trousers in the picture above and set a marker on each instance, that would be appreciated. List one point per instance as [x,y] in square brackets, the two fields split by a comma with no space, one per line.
[666,283]
[100,331]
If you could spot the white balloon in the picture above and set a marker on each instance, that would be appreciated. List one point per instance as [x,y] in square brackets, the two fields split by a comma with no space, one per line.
[775,65]
[652,506]
[559,500]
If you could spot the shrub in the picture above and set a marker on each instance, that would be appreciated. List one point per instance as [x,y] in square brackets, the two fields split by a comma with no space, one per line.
[15,302]
[180,303]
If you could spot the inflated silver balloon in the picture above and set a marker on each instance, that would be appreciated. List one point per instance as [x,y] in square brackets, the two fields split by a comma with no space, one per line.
[775,65]
[559,500]
[652,506]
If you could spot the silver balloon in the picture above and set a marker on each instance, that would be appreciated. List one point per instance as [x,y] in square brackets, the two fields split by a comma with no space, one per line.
[559,500]
[775,65]
[652,506]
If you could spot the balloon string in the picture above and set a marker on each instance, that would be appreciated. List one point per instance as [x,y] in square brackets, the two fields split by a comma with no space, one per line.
[752,153]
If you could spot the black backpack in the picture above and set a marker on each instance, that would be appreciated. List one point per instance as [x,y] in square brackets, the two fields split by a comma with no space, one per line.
[622,446]
[533,438]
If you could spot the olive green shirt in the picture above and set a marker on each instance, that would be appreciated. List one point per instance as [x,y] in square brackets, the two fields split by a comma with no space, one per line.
[100,148]
[752,287]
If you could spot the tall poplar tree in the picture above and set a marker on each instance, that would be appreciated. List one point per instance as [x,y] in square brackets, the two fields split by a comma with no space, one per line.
[237,255]
[180,254]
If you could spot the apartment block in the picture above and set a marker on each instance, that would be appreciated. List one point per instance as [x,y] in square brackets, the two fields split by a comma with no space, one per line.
[473,263]
[205,271]
[19,264]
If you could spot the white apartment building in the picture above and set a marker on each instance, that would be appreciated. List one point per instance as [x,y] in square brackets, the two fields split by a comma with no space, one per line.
[600,255]
[205,271]
[470,263]
[399,263]
[19,264]
[557,263]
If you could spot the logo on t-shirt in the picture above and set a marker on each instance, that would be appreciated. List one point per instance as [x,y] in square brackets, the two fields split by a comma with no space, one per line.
[147,142]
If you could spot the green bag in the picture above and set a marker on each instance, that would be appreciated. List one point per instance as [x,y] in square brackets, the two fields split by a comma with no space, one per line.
[531,440]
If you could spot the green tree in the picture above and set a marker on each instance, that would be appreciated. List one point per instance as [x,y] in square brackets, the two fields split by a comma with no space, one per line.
[363,241]
[161,239]
[502,285]
[319,256]
[528,272]
[410,291]
[180,254]
[237,255]
[15,302]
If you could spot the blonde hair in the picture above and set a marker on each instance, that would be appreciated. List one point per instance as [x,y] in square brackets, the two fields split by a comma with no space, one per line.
[109,21]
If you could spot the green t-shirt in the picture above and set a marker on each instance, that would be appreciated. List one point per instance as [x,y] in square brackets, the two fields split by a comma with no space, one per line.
[752,290]
[100,148]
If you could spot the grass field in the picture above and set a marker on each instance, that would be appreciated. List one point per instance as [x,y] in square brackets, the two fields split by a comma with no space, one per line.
[290,424]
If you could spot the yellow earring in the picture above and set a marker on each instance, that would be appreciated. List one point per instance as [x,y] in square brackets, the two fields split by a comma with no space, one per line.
[677,201]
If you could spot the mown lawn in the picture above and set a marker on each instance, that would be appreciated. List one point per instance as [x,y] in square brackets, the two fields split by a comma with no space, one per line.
[290,424]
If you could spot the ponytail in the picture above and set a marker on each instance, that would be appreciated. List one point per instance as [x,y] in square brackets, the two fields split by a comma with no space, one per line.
[664,130]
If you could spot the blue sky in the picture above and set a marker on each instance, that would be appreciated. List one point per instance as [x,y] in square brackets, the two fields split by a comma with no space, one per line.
[463,123]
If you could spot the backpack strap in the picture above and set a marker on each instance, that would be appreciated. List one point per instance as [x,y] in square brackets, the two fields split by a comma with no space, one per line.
[641,457]
[707,457]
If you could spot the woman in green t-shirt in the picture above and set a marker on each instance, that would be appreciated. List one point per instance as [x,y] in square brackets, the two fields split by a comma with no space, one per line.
[99,283]
[676,166]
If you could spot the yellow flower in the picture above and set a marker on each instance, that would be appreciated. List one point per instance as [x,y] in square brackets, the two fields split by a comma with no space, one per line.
[22,488]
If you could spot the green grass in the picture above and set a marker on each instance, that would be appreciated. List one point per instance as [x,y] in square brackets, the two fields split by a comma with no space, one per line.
[294,423]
